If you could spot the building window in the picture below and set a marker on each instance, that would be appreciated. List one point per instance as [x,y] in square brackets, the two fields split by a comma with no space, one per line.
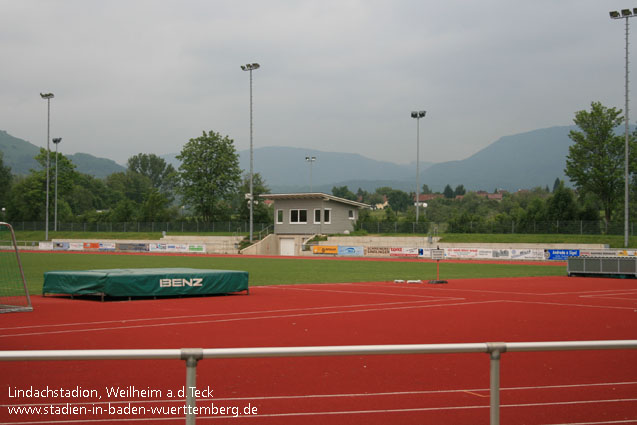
[327,216]
[298,216]
[351,215]
[317,216]
[279,216]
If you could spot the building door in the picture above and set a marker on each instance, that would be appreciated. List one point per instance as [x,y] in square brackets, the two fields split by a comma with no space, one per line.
[287,247]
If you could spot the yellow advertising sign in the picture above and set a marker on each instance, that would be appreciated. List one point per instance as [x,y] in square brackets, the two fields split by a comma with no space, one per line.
[324,249]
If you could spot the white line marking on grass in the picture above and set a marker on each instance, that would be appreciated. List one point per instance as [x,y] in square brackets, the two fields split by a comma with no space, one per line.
[244,319]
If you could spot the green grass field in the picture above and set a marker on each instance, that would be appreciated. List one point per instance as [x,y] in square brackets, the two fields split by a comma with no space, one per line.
[276,271]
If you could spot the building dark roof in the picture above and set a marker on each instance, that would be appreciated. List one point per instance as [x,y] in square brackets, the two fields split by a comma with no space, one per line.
[320,196]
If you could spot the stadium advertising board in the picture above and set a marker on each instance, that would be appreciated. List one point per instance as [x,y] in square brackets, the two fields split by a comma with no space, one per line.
[527,254]
[561,254]
[351,251]
[46,246]
[424,252]
[91,245]
[107,246]
[132,247]
[403,252]
[377,250]
[76,246]
[325,250]
[461,252]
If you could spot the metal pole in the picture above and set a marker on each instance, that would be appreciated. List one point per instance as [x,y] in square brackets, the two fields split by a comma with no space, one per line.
[55,214]
[191,356]
[250,67]
[417,168]
[48,128]
[626,209]
[495,351]
[251,164]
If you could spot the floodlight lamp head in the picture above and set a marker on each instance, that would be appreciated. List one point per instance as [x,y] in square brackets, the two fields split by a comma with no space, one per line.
[256,66]
[626,12]
[47,95]
[57,140]
[243,67]
[414,114]
[421,114]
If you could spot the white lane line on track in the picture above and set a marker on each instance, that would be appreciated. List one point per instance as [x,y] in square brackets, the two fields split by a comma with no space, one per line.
[373,293]
[345,395]
[153,325]
[571,305]
[224,314]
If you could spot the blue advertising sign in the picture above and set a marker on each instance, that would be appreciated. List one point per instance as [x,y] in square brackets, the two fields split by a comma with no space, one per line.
[561,254]
[351,251]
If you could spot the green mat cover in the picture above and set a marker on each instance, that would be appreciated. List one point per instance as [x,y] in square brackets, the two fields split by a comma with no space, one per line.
[145,282]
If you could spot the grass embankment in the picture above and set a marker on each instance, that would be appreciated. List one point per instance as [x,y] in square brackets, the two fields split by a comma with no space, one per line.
[275,271]
[37,235]
[613,241]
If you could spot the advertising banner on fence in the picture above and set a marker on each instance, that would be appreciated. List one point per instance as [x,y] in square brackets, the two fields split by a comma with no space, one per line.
[197,249]
[461,252]
[424,252]
[351,251]
[132,247]
[377,250]
[91,245]
[561,254]
[324,249]
[527,254]
[107,246]
[403,252]
[76,246]
[46,246]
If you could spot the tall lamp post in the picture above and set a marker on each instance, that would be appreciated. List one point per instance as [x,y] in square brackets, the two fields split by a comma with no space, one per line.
[625,14]
[48,97]
[418,115]
[311,160]
[251,67]
[56,141]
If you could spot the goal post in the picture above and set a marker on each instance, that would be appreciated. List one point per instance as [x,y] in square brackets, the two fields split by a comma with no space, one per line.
[14,295]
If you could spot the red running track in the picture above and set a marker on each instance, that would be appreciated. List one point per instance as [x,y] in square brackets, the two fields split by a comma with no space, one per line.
[591,387]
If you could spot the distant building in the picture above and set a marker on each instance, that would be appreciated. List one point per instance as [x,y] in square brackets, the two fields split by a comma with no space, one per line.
[313,213]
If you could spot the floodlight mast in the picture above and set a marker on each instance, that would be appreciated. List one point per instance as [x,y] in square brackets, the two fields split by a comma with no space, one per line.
[625,14]
[418,115]
[251,67]
[48,97]
[56,141]
[311,160]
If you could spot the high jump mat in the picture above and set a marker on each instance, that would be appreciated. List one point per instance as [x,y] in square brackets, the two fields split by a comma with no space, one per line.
[159,282]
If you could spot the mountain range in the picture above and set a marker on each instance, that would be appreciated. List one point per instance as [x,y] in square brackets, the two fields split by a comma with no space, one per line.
[20,155]
[520,161]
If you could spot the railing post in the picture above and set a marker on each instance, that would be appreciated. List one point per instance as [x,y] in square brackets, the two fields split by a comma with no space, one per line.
[191,356]
[495,349]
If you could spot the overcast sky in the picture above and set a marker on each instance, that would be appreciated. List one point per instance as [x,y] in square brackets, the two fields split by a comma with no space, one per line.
[137,76]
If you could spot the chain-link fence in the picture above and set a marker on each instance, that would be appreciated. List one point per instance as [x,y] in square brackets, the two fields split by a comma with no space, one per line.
[172,227]
[380,227]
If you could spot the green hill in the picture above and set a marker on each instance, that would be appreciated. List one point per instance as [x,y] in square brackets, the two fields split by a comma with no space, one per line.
[19,156]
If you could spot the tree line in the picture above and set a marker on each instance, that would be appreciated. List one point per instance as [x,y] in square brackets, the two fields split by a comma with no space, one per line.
[209,186]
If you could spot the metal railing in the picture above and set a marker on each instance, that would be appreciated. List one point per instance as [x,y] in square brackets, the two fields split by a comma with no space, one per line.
[193,355]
